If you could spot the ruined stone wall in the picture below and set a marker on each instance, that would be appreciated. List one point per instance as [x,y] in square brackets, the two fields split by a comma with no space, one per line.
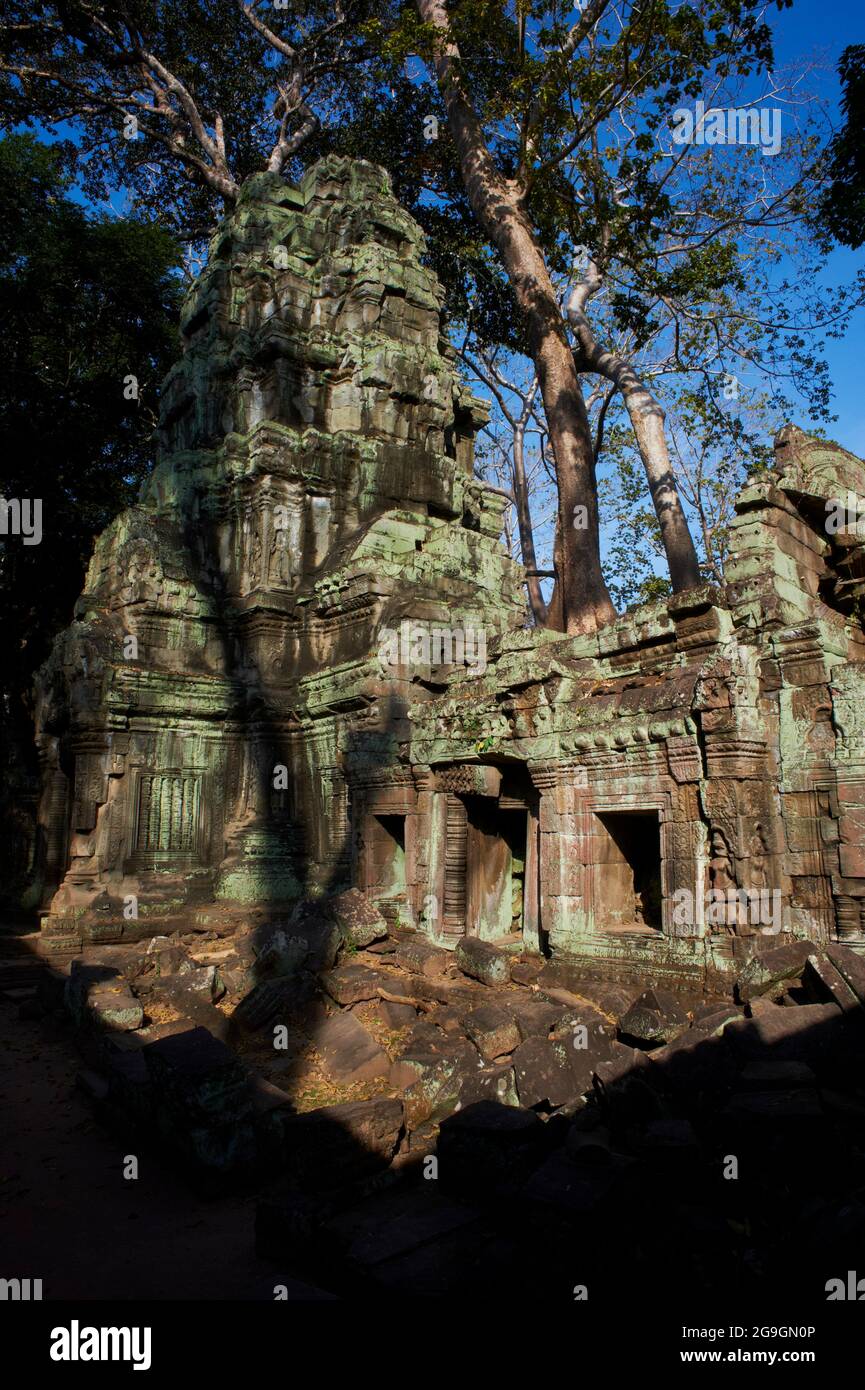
[302,660]
[315,485]
[726,724]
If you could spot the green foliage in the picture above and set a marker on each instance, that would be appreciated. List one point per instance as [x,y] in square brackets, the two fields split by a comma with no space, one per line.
[230,71]
[844,203]
[707,253]
[84,302]
[633,553]
[716,445]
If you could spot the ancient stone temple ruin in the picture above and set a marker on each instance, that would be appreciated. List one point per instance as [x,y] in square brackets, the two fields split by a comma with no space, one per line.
[302,661]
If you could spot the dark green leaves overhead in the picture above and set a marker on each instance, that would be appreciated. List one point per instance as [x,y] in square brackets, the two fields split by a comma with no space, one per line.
[85,303]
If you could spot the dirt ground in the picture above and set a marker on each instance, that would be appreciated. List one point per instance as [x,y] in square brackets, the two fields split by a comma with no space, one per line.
[70,1218]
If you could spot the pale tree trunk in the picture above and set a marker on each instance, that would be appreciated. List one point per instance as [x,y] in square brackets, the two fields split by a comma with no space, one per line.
[495,381]
[524,524]
[647,420]
[496,203]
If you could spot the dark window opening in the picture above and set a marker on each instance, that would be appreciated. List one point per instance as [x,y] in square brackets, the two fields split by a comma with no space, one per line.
[389,855]
[513,832]
[628,861]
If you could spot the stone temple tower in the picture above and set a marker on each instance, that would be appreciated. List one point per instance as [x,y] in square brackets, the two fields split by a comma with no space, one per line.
[202,718]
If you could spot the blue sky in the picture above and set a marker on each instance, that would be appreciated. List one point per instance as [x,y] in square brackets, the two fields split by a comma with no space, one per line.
[811,31]
[820,30]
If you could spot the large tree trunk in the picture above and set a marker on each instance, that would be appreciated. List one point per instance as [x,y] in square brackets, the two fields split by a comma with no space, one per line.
[524,525]
[555,617]
[495,202]
[647,421]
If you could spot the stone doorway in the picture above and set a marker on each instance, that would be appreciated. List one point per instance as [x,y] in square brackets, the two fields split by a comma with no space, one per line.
[496,852]
[629,894]
[387,856]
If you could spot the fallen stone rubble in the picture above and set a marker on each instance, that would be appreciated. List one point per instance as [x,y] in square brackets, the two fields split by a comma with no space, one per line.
[410,1115]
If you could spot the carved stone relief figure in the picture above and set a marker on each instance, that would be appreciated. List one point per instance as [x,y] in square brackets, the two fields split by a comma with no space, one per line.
[721,864]
[759,851]
[721,879]
[255,556]
[279,565]
[143,581]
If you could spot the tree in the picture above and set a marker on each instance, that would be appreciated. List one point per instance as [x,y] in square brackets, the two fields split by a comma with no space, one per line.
[715,446]
[517,403]
[88,311]
[156,87]
[844,204]
[561,154]
[563,142]
[498,200]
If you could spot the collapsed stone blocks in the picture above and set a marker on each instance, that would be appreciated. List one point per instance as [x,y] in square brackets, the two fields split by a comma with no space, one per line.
[462,864]
[300,668]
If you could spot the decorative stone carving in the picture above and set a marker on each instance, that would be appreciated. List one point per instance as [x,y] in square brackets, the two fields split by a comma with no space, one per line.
[314,492]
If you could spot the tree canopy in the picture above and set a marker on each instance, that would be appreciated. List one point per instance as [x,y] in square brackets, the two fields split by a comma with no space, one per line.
[623,197]
[86,303]
[844,204]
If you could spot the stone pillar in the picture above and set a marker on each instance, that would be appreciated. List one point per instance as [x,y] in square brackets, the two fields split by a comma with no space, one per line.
[424,896]
[565,913]
[433,903]
[533,938]
[684,846]
[53,840]
[850,897]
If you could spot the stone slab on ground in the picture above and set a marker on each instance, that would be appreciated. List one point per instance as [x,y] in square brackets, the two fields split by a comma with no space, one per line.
[458,993]
[274,1001]
[851,965]
[278,951]
[584,1044]
[394,1223]
[359,920]
[492,1030]
[527,972]
[199,982]
[313,925]
[435,1092]
[420,957]
[772,1073]
[265,1096]
[622,1062]
[535,1018]
[397,1016]
[496,1083]
[826,984]
[349,1053]
[811,1033]
[699,1058]
[197,1076]
[489,1147]
[560,1182]
[483,961]
[352,984]
[771,969]
[337,1144]
[426,1047]
[588,1147]
[544,1074]
[776,1105]
[655,1018]
[91,980]
[115,1008]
